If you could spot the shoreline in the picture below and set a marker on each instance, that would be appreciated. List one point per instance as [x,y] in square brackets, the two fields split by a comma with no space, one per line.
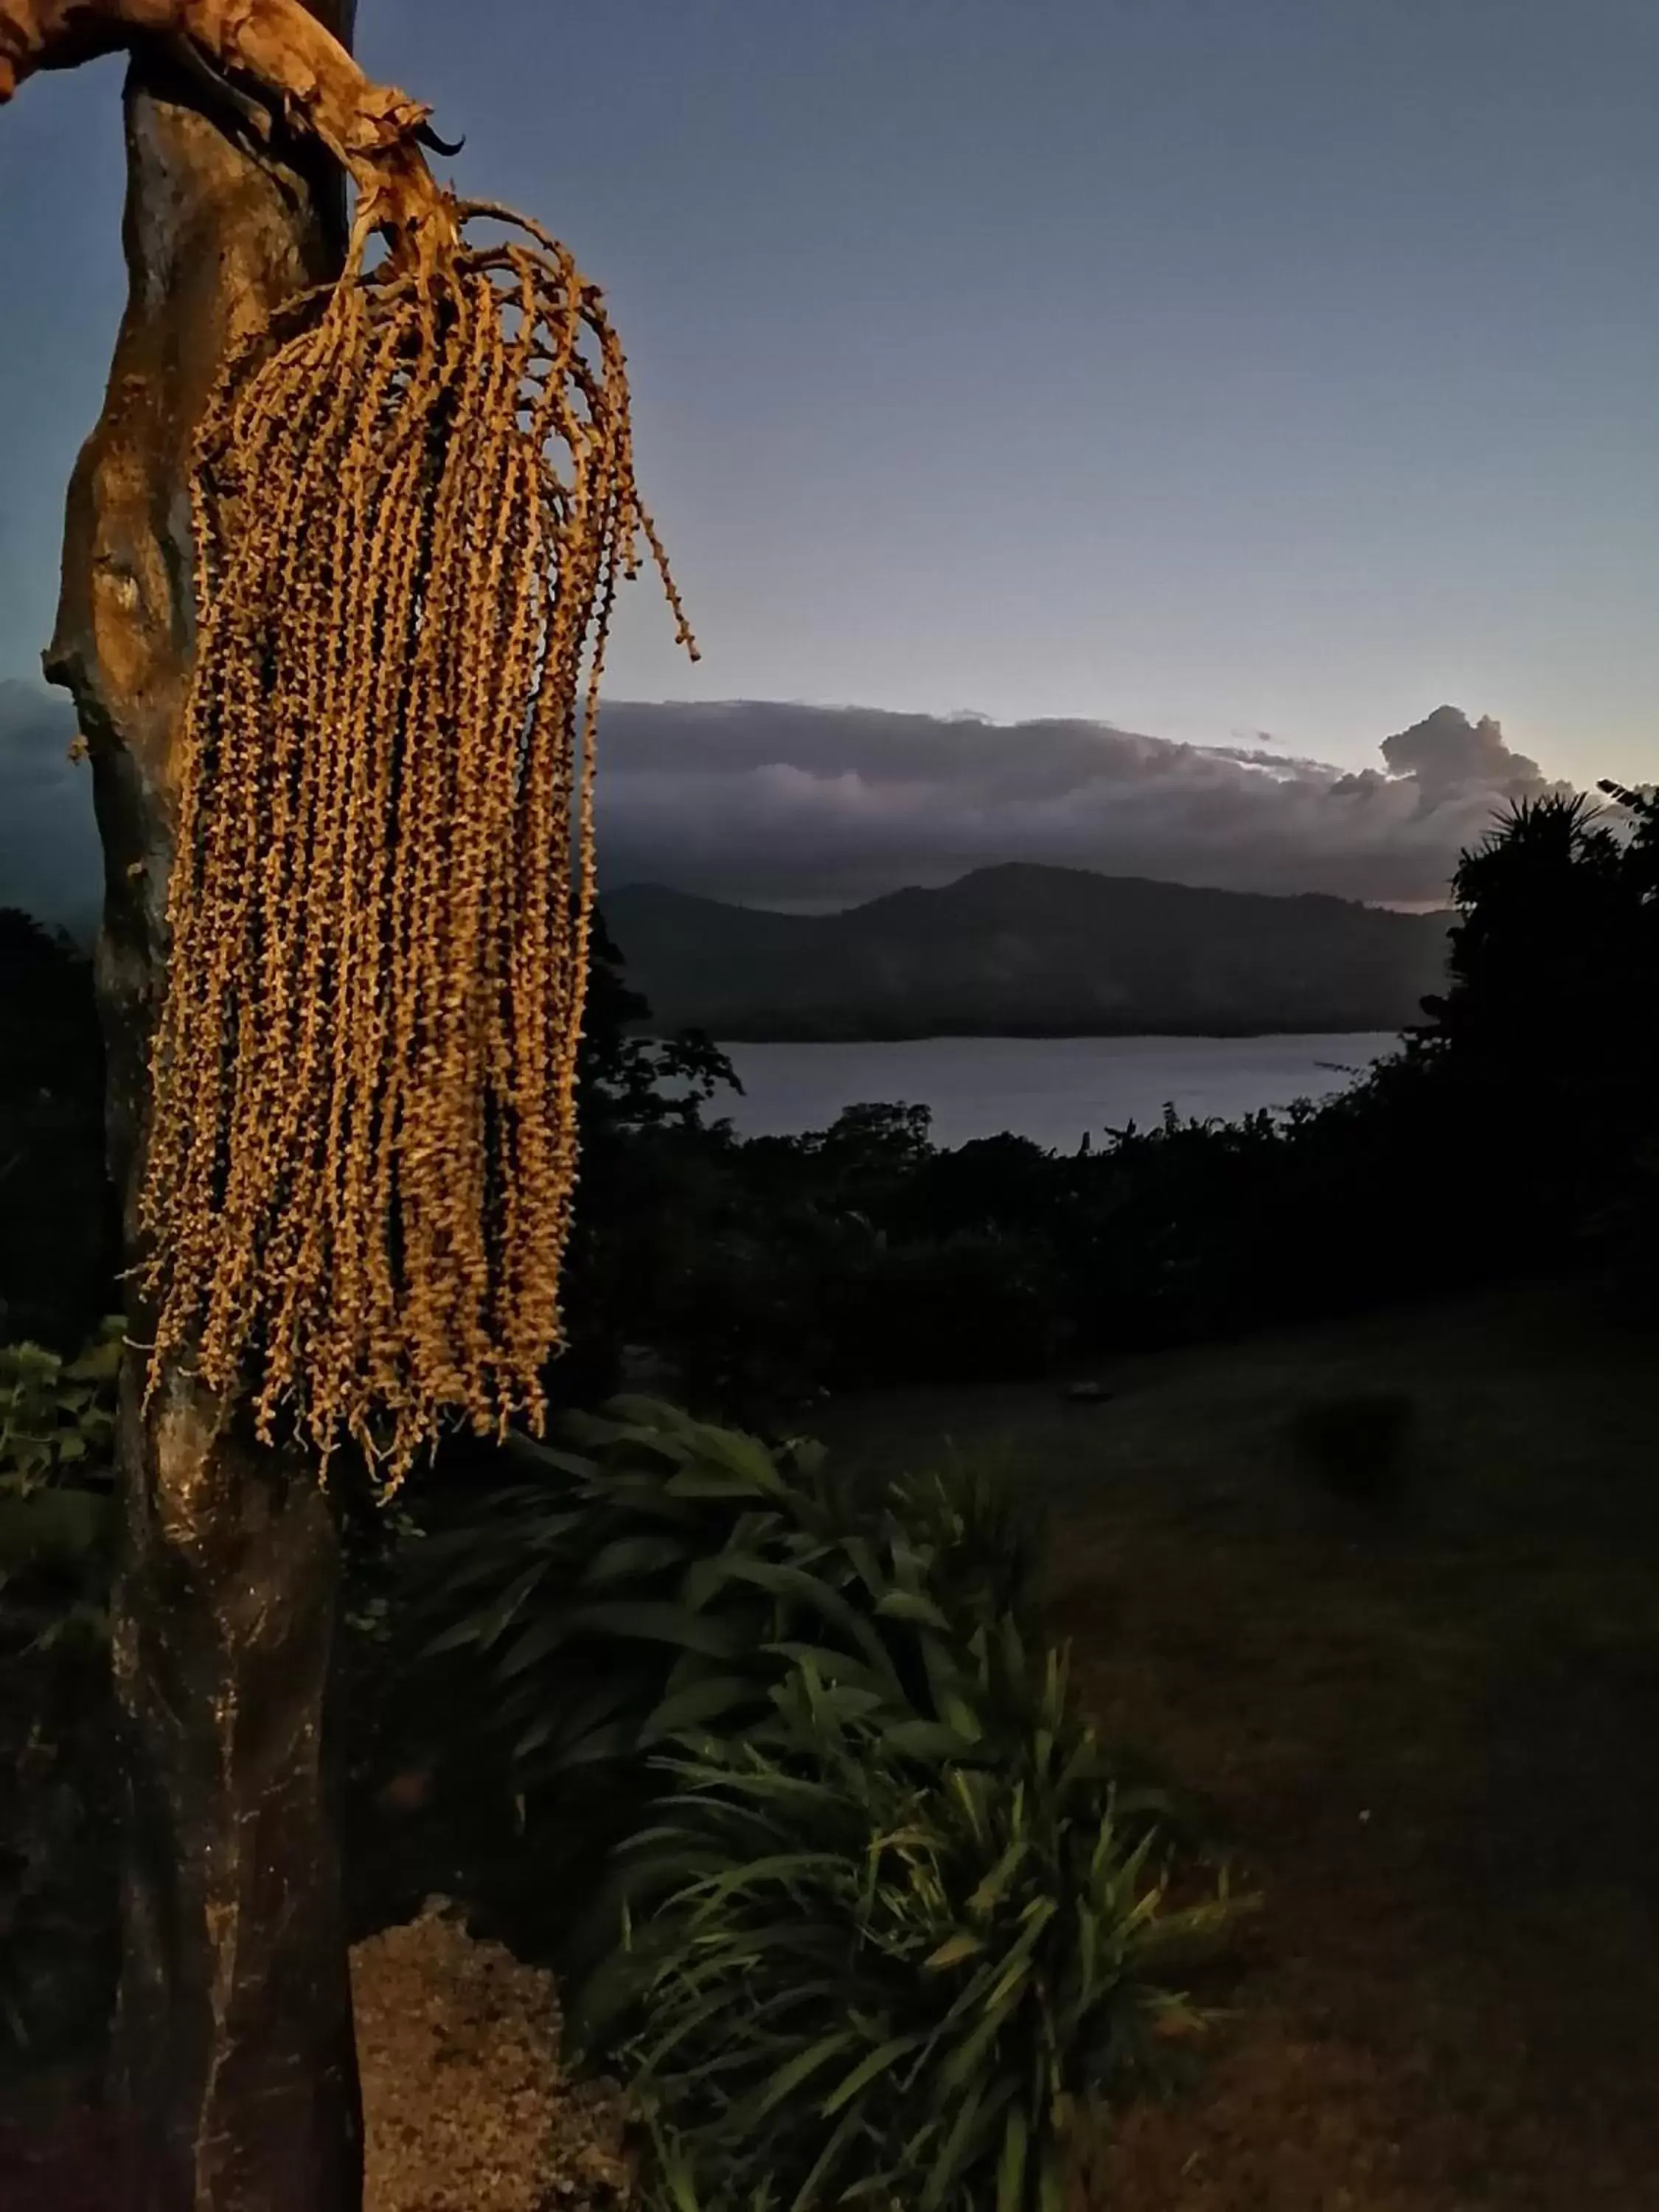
[1196,1035]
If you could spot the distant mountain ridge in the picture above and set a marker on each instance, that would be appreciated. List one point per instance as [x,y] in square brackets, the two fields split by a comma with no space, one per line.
[1025,950]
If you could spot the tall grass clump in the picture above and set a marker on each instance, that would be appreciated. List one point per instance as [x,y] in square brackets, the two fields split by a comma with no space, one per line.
[865,1978]
[888,1926]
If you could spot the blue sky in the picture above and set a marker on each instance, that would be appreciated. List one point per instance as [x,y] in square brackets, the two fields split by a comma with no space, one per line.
[1200,366]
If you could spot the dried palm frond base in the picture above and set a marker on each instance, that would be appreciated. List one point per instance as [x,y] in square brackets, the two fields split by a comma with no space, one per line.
[465,2106]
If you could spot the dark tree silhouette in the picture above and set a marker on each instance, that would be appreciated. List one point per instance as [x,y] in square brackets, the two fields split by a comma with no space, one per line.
[59,1233]
[634,1092]
[1549,1024]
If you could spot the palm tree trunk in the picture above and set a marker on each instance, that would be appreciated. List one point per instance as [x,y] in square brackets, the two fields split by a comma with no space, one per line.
[235,2059]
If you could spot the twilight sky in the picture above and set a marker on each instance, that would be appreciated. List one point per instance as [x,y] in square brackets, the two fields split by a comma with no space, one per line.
[1255,376]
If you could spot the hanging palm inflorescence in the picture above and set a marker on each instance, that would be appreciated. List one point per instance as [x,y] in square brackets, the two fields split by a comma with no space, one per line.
[363,1147]
[414,498]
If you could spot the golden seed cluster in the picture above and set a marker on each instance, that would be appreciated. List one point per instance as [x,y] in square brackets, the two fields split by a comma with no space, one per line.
[414,499]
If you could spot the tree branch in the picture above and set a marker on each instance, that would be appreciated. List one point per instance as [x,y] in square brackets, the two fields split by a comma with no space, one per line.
[375,131]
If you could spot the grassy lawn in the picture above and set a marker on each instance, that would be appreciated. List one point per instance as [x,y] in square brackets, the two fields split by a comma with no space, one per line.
[1428,1725]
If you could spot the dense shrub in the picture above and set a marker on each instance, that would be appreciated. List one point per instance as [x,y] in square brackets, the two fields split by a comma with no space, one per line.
[649,1571]
[863,1257]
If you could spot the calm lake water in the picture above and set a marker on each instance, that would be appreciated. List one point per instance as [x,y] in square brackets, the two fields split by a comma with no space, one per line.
[1050,1088]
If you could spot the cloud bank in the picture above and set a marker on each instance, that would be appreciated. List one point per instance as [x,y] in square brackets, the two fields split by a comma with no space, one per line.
[820,806]
[808,805]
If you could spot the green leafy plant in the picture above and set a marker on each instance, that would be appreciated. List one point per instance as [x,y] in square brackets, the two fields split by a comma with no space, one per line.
[850,1976]
[57,1414]
[57,1429]
[985,1528]
[881,1807]
[677,1571]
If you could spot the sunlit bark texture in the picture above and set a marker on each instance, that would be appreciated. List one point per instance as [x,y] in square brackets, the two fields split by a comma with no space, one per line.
[296,53]
[235,2048]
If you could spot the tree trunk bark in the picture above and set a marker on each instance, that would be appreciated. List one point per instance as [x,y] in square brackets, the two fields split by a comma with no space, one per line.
[235,2060]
